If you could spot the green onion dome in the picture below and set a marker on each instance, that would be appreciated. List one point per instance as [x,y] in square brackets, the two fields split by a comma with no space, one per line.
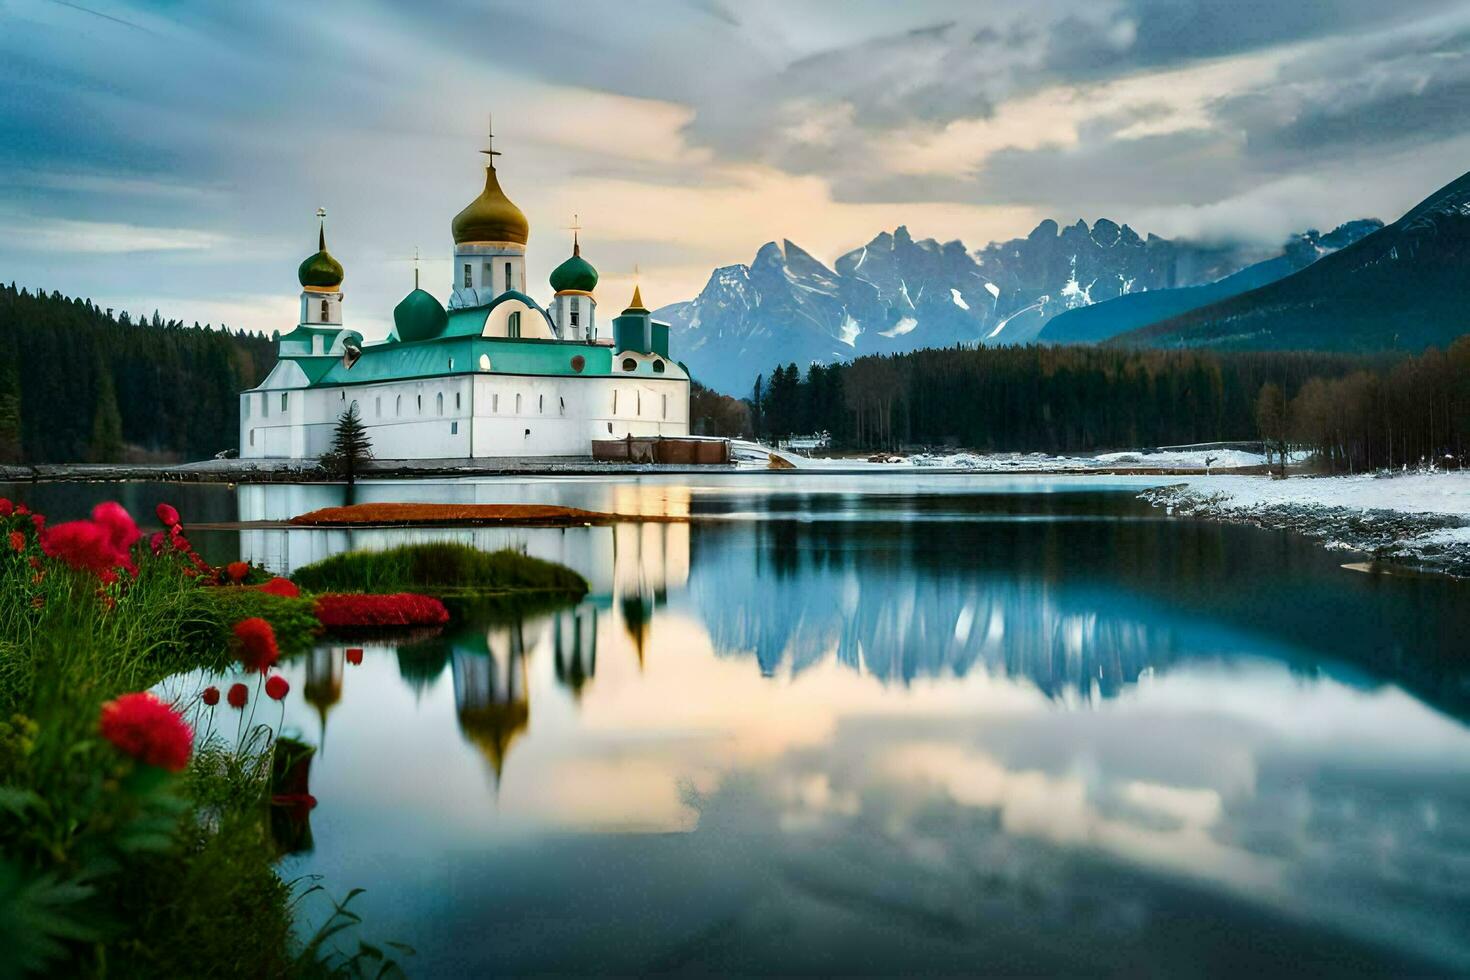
[419,317]
[321,271]
[576,273]
[491,217]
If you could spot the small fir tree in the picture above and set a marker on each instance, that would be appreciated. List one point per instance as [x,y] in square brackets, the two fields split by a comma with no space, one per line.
[350,445]
[106,444]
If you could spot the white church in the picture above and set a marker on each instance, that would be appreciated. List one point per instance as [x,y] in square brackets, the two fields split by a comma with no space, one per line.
[494,374]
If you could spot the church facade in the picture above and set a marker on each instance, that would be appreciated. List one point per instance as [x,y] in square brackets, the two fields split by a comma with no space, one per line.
[493,373]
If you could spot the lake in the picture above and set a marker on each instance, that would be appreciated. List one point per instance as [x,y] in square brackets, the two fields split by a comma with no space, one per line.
[886,724]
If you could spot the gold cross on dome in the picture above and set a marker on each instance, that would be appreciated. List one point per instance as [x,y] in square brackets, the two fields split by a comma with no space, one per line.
[490,150]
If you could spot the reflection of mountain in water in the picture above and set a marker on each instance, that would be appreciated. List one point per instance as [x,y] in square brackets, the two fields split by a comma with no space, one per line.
[905,624]
[1069,601]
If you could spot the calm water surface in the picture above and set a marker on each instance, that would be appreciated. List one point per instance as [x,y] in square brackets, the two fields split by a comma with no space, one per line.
[889,724]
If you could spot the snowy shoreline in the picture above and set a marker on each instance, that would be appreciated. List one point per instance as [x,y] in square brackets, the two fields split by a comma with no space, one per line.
[1415,520]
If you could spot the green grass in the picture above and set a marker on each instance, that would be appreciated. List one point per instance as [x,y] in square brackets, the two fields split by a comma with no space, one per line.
[440,568]
[109,867]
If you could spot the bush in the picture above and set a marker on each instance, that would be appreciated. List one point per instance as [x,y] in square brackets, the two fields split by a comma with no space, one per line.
[439,567]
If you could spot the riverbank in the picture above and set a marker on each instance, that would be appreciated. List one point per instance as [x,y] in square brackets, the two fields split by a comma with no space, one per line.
[1412,520]
[307,471]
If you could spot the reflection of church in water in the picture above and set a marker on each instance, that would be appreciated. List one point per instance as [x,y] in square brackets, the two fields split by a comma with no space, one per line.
[490,653]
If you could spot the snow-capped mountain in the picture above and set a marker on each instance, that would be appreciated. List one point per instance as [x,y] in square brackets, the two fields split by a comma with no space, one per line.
[1101,321]
[1404,287]
[897,294]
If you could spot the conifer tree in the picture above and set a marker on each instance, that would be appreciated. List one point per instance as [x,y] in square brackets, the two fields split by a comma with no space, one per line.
[350,445]
[106,444]
[11,450]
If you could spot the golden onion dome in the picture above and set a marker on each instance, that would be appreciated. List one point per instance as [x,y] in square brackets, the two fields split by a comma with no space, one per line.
[491,217]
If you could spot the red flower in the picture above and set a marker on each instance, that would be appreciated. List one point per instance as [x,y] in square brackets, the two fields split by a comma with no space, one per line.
[238,695]
[148,729]
[156,541]
[81,544]
[283,587]
[402,609]
[258,649]
[21,510]
[210,695]
[107,576]
[121,531]
[167,516]
[237,570]
[17,541]
[181,543]
[276,687]
[354,655]
[39,520]
[6,507]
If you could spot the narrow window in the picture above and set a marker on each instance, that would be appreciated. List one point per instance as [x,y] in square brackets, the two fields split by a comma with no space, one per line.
[354,404]
[246,407]
[495,402]
[484,362]
[541,405]
[563,405]
[507,276]
[456,401]
[469,278]
[518,403]
[638,404]
[324,311]
[284,396]
[666,405]
[397,405]
[344,395]
[421,404]
[513,325]
[576,310]
[615,401]
[265,406]
[454,428]
[378,407]
[252,437]
[451,364]
[439,403]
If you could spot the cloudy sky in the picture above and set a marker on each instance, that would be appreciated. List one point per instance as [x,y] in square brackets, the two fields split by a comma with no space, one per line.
[170,155]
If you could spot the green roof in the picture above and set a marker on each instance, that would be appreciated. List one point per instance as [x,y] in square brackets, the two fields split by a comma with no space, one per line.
[321,270]
[575,273]
[459,355]
[418,317]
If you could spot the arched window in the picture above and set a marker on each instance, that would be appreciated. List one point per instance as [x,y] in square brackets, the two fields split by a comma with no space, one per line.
[397,405]
[658,367]
[439,403]
[456,401]
[563,405]
[629,364]
[540,404]
[507,276]
[421,404]
[513,325]
[518,403]
[576,310]
[484,362]
[324,311]
[468,276]
[353,407]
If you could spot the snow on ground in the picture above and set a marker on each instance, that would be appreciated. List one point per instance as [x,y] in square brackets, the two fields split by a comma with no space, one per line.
[1419,519]
[1410,493]
[1196,459]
